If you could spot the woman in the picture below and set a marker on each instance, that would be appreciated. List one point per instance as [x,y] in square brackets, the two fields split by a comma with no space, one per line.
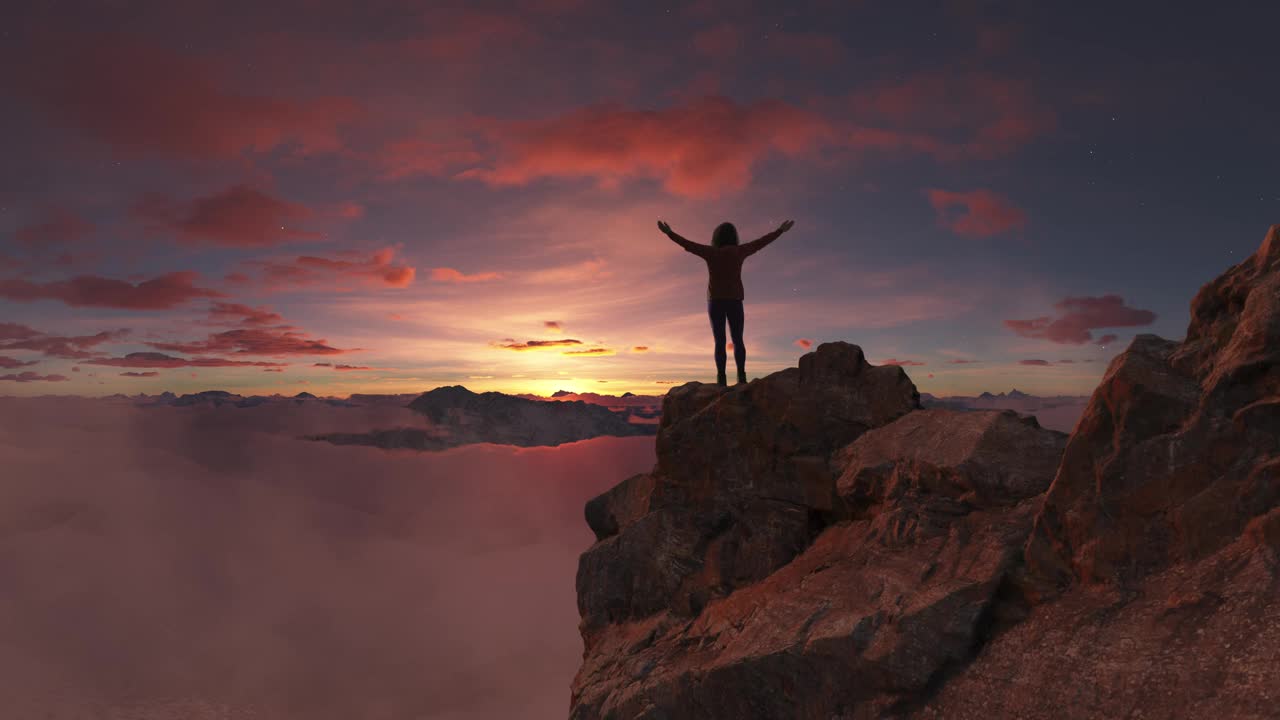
[724,258]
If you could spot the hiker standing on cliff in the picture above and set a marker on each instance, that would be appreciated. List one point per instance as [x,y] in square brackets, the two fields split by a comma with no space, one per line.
[724,258]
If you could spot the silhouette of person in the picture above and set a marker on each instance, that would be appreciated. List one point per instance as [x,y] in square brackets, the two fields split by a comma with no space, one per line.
[724,258]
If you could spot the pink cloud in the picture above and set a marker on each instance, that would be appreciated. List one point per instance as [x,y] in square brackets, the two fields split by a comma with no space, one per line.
[161,293]
[239,216]
[959,361]
[1107,339]
[895,361]
[254,341]
[141,98]
[379,269]
[25,377]
[701,149]
[9,363]
[236,313]
[977,213]
[70,347]
[160,360]
[144,374]
[805,343]
[56,228]
[552,325]
[1079,316]
[447,274]
[15,331]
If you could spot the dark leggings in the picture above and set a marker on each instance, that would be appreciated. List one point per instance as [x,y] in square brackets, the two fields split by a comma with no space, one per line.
[721,310]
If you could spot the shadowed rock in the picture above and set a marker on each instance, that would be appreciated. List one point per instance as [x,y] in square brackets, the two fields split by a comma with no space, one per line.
[721,587]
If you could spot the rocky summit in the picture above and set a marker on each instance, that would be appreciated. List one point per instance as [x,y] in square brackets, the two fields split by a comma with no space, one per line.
[814,544]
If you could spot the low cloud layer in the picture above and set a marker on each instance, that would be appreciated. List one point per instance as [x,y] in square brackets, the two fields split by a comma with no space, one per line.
[203,563]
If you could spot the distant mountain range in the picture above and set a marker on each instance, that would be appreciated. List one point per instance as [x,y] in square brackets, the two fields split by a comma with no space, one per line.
[456,416]
[453,415]
[1058,412]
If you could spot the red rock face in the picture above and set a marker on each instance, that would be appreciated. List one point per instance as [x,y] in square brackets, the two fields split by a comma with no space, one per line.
[769,567]
[813,546]
[1178,449]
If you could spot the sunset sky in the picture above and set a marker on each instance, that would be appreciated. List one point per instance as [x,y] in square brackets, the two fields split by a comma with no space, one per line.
[381,197]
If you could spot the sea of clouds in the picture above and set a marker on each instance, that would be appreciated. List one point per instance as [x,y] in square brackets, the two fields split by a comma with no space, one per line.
[197,563]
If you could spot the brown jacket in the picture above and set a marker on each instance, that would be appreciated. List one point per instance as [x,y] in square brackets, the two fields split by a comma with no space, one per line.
[724,264]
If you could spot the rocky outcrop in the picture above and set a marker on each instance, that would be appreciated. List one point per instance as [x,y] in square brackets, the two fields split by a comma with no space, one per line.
[811,548]
[1177,450]
[807,544]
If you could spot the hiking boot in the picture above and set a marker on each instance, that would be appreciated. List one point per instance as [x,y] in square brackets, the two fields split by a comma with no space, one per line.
[721,380]
[742,377]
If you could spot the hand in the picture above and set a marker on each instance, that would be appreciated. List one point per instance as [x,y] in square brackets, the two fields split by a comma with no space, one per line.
[786,226]
[665,228]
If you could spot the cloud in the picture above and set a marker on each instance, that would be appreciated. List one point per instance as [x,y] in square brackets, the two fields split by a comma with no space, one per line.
[380,269]
[132,373]
[1066,362]
[254,341]
[702,149]
[640,348]
[238,314]
[1035,361]
[16,331]
[448,274]
[895,361]
[510,344]
[140,98]
[956,114]
[228,532]
[805,343]
[590,351]
[342,367]
[981,213]
[1079,316]
[160,360]
[1107,339]
[160,293]
[552,325]
[72,347]
[25,377]
[961,361]
[239,216]
[9,363]
[58,227]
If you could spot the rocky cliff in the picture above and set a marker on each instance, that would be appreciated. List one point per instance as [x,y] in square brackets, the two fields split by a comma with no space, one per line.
[814,545]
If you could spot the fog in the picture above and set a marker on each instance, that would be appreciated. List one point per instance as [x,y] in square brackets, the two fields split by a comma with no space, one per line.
[199,563]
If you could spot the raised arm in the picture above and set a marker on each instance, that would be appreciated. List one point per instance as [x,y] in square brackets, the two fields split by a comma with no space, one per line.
[693,247]
[757,245]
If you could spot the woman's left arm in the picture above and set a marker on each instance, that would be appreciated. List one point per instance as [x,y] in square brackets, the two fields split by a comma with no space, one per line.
[693,247]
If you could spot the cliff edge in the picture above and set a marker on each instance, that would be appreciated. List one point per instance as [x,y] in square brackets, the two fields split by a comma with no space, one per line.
[815,545]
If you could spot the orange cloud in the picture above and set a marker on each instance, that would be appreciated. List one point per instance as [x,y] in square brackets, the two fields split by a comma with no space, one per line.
[448,274]
[379,269]
[590,351]
[702,149]
[510,344]
[640,348]
[805,343]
